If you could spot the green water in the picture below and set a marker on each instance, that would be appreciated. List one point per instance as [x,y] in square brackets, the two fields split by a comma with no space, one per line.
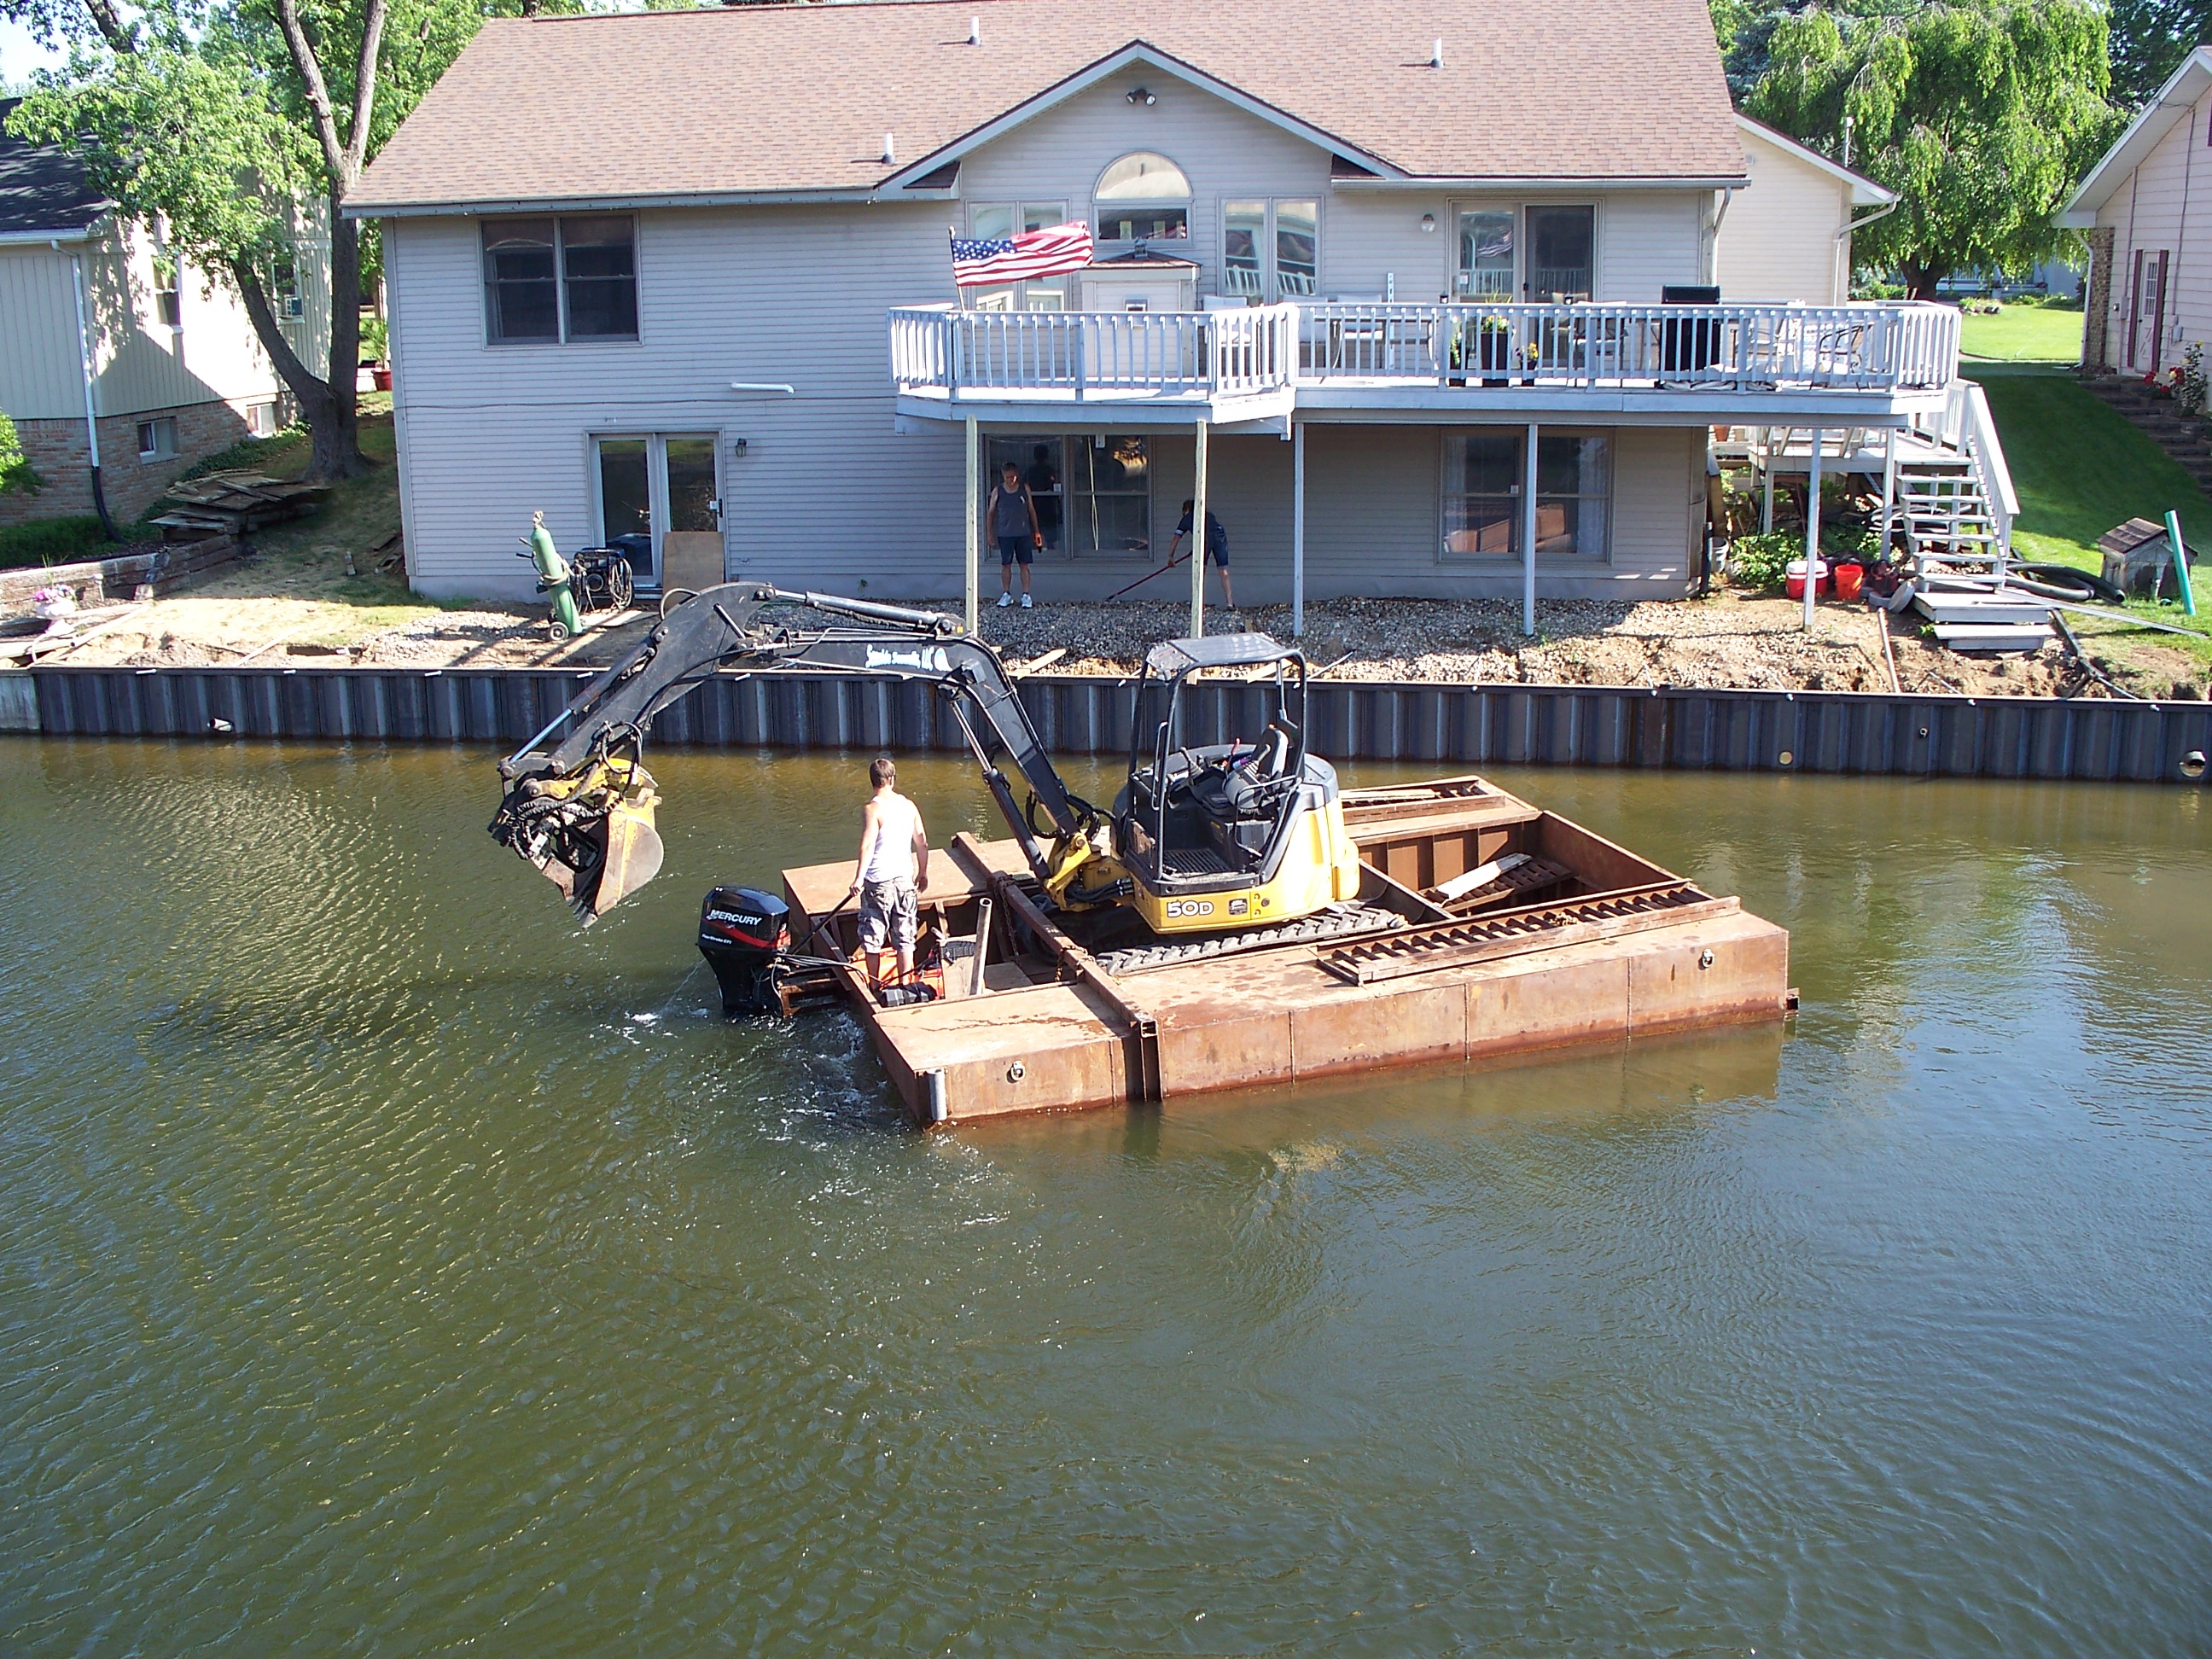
[387,1269]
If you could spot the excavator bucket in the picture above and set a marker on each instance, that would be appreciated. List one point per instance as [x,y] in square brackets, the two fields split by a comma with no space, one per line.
[591,836]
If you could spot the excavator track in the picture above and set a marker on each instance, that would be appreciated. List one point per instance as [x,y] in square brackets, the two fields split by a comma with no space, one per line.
[1513,933]
[1323,927]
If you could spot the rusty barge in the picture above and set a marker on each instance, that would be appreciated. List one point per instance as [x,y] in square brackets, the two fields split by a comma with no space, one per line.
[1512,929]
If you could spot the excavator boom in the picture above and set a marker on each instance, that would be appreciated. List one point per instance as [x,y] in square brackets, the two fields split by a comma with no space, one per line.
[582,811]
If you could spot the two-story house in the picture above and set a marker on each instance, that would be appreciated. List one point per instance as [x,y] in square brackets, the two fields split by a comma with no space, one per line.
[1430,288]
[115,351]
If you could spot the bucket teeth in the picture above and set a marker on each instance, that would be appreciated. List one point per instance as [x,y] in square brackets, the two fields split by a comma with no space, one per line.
[592,835]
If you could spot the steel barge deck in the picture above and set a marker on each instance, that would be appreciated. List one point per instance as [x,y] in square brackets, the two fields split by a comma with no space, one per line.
[1574,940]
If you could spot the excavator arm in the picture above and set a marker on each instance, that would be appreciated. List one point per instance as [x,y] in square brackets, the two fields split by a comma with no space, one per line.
[582,811]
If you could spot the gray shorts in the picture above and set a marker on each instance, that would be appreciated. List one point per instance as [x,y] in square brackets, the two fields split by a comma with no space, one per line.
[887,908]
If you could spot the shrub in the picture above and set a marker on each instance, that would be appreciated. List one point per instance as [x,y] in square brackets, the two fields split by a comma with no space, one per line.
[17,475]
[247,452]
[49,541]
[1761,563]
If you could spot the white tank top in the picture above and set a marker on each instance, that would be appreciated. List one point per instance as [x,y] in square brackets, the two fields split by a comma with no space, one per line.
[891,857]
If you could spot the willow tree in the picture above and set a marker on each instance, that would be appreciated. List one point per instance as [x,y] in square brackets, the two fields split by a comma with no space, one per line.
[228,121]
[1980,114]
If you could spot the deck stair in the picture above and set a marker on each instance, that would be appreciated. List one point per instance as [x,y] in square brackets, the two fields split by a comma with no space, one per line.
[2004,619]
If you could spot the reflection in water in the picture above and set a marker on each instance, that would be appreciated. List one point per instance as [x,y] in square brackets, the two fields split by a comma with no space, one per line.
[384,1266]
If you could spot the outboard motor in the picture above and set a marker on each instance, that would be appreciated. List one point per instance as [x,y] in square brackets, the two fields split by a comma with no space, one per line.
[743,934]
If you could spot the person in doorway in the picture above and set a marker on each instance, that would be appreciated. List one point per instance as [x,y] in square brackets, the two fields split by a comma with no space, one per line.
[893,871]
[1044,494]
[1011,514]
[1217,547]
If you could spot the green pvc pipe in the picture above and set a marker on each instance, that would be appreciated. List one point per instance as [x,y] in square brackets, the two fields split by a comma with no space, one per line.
[554,570]
[2181,564]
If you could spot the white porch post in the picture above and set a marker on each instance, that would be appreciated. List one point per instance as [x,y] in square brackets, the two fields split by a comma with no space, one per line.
[1298,528]
[1198,541]
[1766,473]
[1529,536]
[1888,492]
[972,494]
[1813,524]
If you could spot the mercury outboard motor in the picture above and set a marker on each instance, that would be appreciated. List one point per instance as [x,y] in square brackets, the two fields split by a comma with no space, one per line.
[743,934]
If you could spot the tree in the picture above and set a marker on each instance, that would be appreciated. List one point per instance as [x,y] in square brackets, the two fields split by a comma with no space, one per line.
[1980,114]
[2149,40]
[225,120]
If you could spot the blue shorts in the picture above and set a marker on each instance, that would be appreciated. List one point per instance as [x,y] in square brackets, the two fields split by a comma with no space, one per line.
[1016,550]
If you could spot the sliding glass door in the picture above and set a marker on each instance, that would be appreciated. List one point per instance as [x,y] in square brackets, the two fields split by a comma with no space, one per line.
[653,485]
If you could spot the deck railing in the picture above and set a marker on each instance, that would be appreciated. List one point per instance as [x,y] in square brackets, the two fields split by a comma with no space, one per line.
[1088,354]
[1243,350]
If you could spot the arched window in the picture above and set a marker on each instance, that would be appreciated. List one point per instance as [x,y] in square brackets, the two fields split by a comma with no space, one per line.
[1143,197]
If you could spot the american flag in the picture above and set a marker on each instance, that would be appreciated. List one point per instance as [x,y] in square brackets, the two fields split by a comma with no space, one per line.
[1015,259]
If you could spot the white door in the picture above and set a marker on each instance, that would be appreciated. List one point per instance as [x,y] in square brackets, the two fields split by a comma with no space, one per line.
[655,483]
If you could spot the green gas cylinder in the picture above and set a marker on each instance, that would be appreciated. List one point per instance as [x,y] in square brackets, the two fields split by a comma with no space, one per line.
[553,569]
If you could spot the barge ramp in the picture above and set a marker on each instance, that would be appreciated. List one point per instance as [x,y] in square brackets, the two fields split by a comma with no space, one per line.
[1606,946]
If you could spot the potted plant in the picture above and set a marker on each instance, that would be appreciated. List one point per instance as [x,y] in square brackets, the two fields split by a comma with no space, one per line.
[55,604]
[1495,339]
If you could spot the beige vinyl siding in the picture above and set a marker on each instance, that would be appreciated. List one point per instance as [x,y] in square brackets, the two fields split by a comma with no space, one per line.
[1646,240]
[1778,241]
[2166,204]
[40,375]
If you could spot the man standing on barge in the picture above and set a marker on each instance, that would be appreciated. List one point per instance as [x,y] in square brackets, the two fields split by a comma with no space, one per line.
[894,868]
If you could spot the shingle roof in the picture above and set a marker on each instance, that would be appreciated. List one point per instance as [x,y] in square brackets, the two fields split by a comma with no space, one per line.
[41,188]
[730,101]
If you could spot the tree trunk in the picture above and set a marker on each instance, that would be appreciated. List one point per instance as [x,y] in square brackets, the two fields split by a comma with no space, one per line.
[326,405]
[1920,280]
[330,421]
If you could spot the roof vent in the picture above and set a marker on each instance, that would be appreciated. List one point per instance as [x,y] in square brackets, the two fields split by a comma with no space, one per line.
[1436,54]
[975,29]
[890,151]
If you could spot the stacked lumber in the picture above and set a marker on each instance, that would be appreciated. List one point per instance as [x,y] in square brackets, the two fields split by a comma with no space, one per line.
[233,503]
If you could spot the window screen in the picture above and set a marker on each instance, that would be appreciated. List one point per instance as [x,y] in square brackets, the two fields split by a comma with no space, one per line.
[522,300]
[1482,495]
[600,259]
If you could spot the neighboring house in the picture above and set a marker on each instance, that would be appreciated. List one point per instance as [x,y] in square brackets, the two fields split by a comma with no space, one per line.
[104,332]
[1789,236]
[1365,267]
[2149,226]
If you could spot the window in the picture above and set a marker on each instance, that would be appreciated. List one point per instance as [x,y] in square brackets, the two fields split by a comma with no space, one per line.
[1017,219]
[1562,248]
[157,438]
[261,420]
[284,287]
[1143,198]
[1270,249]
[1093,494]
[554,279]
[1482,495]
[168,303]
[1485,256]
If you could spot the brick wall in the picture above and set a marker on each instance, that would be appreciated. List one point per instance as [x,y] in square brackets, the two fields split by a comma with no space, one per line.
[2097,301]
[57,449]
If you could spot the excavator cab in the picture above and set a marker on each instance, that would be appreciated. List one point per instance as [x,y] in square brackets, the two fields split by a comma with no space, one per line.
[1235,834]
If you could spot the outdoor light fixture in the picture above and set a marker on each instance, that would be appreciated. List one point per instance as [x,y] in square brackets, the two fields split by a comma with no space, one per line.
[1138,96]
[1429,223]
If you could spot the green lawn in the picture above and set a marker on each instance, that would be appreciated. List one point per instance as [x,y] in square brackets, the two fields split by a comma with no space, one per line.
[2024,333]
[2079,469]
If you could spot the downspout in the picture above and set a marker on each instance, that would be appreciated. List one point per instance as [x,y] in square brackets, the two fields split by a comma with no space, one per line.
[91,414]
[1851,227]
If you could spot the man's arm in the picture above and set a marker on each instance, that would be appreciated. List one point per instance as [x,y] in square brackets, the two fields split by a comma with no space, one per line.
[1036,525]
[867,843]
[920,854]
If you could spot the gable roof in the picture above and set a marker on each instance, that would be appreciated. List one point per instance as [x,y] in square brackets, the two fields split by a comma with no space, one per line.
[794,101]
[2170,103]
[44,193]
[1865,193]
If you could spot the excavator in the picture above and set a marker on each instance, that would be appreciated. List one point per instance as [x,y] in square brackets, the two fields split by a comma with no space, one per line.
[1201,840]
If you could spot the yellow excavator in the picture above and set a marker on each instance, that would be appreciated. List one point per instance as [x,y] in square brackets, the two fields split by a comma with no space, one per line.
[1202,839]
